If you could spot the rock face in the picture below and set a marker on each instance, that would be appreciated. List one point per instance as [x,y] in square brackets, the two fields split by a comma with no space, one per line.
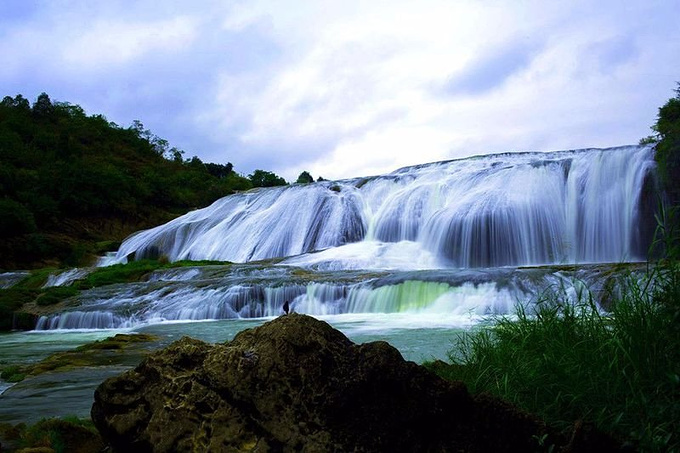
[297,384]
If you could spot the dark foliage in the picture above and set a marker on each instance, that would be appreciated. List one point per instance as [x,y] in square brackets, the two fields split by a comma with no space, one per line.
[263,178]
[66,177]
[667,128]
[304,178]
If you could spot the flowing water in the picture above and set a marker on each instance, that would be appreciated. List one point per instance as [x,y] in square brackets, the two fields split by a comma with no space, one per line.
[507,209]
[413,257]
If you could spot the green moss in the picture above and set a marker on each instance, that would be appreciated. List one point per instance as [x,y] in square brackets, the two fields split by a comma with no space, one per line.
[99,353]
[37,278]
[118,341]
[9,371]
[106,246]
[54,295]
[135,271]
[91,354]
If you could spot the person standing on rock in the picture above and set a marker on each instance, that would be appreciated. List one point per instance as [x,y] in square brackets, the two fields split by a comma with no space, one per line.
[286,307]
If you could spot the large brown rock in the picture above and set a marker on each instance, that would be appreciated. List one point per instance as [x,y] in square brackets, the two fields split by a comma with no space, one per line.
[297,384]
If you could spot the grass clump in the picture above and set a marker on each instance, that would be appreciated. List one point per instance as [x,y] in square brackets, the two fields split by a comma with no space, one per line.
[12,373]
[568,361]
[60,435]
[119,273]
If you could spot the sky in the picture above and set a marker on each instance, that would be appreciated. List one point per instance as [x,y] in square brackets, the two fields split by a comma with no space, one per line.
[351,88]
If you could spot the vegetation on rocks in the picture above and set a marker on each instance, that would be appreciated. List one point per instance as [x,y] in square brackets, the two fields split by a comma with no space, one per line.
[305,178]
[98,353]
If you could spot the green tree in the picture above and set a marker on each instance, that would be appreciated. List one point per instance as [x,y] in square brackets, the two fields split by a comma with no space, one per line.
[667,130]
[304,178]
[220,171]
[263,178]
[43,107]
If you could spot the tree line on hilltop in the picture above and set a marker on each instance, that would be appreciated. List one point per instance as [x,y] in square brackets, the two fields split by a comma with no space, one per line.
[72,184]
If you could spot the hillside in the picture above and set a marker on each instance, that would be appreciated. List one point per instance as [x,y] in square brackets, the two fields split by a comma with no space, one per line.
[72,185]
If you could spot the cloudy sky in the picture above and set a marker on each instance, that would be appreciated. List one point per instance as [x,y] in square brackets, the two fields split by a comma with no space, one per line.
[349,88]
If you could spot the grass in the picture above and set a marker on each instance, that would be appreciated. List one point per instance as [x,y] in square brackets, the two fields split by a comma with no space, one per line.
[12,373]
[60,435]
[565,360]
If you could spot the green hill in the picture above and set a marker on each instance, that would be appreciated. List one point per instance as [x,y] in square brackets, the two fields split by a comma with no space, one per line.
[72,184]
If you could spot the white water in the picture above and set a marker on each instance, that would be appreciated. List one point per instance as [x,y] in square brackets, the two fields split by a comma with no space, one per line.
[448,297]
[66,278]
[437,241]
[501,210]
[9,279]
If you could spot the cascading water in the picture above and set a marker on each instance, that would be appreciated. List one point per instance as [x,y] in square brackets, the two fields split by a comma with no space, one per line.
[249,291]
[501,210]
[440,240]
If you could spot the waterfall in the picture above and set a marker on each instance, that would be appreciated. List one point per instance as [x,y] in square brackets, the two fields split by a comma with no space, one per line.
[506,209]
[464,238]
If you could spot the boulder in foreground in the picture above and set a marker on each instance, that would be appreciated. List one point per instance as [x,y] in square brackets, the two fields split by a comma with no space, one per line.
[297,384]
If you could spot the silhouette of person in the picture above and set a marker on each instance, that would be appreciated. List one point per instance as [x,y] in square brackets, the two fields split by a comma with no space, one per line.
[286,307]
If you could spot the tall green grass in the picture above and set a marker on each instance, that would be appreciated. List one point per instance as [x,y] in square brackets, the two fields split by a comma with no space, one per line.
[566,360]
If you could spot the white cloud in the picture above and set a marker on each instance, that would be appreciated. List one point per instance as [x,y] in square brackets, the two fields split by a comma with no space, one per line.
[353,88]
[108,43]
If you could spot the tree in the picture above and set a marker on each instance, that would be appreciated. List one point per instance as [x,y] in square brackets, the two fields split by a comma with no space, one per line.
[263,178]
[220,171]
[43,107]
[304,178]
[667,155]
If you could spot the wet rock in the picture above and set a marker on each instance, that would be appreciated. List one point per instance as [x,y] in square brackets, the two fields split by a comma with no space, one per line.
[297,384]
